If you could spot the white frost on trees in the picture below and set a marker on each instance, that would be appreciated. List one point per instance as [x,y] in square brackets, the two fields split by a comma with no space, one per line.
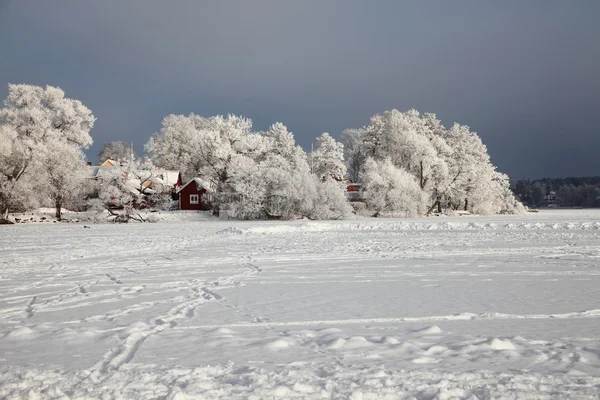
[450,166]
[65,174]
[117,151]
[255,175]
[409,163]
[39,123]
[328,159]
[389,190]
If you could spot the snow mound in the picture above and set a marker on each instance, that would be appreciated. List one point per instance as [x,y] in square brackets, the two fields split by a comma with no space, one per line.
[21,332]
[436,349]
[223,332]
[499,344]
[389,340]
[432,330]
[425,360]
[69,334]
[336,344]
[280,344]
[356,342]
[353,342]
[463,316]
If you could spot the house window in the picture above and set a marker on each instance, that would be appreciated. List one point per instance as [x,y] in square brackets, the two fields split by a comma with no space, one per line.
[193,199]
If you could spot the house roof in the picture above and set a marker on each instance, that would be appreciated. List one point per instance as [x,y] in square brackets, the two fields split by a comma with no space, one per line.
[98,171]
[93,171]
[111,163]
[199,183]
[169,177]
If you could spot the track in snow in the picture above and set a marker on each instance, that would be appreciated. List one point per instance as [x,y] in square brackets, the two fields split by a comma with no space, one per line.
[433,308]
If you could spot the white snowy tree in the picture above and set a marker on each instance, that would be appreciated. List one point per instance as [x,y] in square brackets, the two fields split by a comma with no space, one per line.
[196,144]
[475,185]
[452,167]
[34,120]
[65,174]
[117,197]
[327,160]
[14,161]
[255,175]
[248,190]
[178,145]
[141,173]
[330,202]
[388,189]
[410,144]
[118,150]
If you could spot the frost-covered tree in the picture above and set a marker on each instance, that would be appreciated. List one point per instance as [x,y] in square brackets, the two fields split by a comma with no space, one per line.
[255,175]
[14,161]
[117,151]
[178,145]
[248,189]
[330,202]
[271,179]
[141,173]
[35,120]
[194,144]
[474,183]
[328,159]
[451,166]
[289,187]
[409,142]
[388,189]
[65,174]
[117,197]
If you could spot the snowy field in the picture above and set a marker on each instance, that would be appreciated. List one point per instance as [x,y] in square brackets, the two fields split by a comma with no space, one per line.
[438,308]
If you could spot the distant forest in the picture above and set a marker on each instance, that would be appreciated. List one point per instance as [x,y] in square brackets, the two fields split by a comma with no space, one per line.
[563,192]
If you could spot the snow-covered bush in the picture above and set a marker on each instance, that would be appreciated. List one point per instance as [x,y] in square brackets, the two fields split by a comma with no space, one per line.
[389,190]
[331,202]
[152,218]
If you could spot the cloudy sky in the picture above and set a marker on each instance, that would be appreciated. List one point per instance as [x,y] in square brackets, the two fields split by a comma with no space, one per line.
[523,74]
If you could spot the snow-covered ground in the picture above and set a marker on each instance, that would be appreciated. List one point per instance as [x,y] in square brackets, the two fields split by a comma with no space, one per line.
[438,308]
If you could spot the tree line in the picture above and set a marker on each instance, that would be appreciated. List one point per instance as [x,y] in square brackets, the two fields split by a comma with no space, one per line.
[569,192]
[406,163]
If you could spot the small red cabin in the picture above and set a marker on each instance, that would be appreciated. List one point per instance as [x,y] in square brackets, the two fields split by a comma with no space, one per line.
[195,195]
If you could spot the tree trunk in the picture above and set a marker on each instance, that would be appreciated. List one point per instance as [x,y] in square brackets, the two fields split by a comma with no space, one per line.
[5,213]
[439,204]
[466,204]
[58,205]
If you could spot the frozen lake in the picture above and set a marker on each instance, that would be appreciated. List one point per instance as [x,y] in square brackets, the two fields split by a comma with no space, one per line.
[436,308]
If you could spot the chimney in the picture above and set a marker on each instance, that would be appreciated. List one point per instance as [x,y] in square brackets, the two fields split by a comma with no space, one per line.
[88,163]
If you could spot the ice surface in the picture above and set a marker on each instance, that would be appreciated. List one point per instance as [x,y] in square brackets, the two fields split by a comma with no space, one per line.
[435,308]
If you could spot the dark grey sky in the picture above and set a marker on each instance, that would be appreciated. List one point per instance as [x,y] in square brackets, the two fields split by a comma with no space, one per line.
[523,74]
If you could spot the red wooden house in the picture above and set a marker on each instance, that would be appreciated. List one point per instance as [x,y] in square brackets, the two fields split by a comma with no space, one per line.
[195,195]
